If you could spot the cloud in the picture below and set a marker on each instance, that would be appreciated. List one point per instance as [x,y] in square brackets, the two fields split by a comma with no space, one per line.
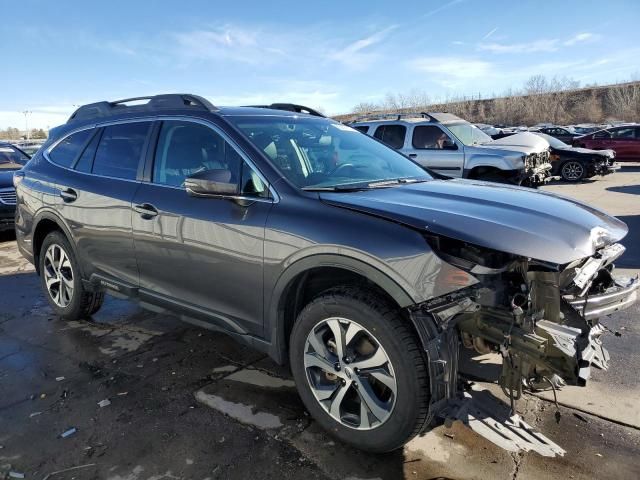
[491,32]
[354,54]
[229,42]
[452,67]
[442,7]
[543,45]
[581,38]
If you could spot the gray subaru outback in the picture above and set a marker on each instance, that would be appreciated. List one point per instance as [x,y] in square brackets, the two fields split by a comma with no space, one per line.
[325,249]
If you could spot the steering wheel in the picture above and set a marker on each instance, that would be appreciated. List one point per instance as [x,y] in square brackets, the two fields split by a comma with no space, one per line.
[339,167]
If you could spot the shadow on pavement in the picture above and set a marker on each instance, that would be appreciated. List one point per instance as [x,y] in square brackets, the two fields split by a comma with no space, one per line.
[630,189]
[8,236]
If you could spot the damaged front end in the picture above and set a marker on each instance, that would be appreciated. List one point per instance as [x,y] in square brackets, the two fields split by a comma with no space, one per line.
[543,319]
[537,169]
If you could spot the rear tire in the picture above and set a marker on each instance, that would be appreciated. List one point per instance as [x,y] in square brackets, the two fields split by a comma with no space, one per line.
[376,397]
[62,282]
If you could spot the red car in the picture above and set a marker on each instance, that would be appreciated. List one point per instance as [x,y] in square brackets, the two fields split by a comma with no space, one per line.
[625,141]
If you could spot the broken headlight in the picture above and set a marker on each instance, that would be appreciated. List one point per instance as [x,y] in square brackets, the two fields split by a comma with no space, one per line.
[468,256]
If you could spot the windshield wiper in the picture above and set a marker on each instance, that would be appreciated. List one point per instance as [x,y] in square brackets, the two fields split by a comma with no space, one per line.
[354,187]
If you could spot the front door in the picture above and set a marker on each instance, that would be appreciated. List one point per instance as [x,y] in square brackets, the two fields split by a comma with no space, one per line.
[203,255]
[432,147]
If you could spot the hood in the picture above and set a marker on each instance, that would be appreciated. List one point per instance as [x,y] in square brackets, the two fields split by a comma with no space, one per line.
[6,174]
[525,140]
[510,219]
[589,151]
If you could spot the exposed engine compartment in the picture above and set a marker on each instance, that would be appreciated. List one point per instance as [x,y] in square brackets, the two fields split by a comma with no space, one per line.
[543,319]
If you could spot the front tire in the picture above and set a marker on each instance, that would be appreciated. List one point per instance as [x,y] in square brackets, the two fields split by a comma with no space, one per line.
[572,171]
[61,280]
[360,370]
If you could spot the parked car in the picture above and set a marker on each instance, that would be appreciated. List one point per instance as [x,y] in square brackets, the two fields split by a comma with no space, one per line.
[561,133]
[323,248]
[11,160]
[451,146]
[625,141]
[574,164]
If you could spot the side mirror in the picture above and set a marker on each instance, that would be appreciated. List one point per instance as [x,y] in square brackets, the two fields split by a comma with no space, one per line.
[210,183]
[449,145]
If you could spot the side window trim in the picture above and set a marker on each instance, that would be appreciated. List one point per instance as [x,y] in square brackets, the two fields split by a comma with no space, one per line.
[74,164]
[155,137]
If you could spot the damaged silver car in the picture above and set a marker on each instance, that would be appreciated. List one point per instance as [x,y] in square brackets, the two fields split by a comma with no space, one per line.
[327,250]
[453,147]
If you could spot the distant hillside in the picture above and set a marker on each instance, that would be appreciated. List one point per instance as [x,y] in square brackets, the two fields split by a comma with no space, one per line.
[539,101]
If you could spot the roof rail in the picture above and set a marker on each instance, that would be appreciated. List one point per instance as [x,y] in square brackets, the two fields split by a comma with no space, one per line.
[391,116]
[290,107]
[154,103]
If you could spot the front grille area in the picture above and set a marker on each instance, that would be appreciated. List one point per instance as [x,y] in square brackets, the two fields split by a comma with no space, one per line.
[8,196]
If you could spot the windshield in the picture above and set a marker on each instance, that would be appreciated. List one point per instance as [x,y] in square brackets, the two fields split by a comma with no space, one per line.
[553,141]
[467,133]
[317,153]
[11,157]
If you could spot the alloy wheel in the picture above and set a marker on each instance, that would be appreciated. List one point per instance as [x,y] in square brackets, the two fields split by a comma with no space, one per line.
[572,171]
[349,373]
[58,275]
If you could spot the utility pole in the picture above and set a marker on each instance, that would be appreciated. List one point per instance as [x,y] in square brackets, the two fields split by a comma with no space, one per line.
[26,121]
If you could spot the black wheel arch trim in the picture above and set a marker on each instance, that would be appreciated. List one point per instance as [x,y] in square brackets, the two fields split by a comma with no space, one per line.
[51,215]
[274,310]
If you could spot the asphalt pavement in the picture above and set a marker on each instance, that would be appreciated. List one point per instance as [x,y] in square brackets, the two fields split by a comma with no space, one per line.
[185,403]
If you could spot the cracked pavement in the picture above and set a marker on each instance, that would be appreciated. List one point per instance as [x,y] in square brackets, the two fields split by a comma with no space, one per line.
[187,403]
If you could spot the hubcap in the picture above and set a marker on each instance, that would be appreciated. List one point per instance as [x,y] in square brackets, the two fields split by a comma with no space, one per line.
[349,373]
[58,275]
[572,171]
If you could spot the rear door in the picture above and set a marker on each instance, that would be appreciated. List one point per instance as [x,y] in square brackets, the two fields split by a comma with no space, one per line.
[202,255]
[95,197]
[432,147]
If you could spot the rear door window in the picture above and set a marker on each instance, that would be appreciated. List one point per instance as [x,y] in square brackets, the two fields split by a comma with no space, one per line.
[68,149]
[392,135]
[624,133]
[120,149]
[362,128]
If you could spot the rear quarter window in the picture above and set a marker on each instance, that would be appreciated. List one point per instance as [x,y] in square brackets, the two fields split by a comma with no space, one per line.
[65,152]
[362,128]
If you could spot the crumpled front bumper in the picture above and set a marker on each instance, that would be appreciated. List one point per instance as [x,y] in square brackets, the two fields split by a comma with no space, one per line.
[622,295]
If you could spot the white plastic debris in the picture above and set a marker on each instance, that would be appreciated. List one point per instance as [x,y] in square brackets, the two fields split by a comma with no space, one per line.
[69,432]
[59,379]
[16,475]
[104,403]
[35,414]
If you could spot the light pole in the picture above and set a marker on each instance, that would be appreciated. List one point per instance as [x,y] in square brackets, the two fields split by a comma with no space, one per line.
[26,121]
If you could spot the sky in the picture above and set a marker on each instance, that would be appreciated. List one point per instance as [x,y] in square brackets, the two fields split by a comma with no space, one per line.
[325,54]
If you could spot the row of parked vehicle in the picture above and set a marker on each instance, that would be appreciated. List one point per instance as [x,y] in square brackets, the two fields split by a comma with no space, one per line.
[454,147]
[331,252]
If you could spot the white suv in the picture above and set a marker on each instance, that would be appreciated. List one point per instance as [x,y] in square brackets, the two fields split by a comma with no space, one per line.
[451,146]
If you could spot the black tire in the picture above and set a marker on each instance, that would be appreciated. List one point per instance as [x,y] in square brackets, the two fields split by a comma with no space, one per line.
[82,303]
[572,171]
[409,415]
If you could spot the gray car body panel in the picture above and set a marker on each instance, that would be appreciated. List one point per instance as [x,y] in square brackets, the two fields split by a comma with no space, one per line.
[511,219]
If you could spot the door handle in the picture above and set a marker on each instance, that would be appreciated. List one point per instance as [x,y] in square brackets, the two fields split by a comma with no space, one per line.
[146,210]
[68,195]
[413,155]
